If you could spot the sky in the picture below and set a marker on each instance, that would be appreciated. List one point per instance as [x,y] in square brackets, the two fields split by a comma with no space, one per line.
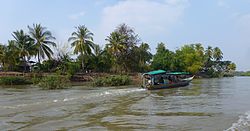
[218,23]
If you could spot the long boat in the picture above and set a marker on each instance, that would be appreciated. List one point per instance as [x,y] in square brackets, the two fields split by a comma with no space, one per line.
[160,79]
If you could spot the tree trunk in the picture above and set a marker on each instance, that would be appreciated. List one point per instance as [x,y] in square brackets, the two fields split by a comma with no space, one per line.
[82,61]
[24,60]
[38,56]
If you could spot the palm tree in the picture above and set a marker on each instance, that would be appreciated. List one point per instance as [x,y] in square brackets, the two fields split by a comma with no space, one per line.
[199,49]
[96,59]
[82,41]
[11,58]
[141,56]
[42,39]
[116,43]
[2,55]
[24,44]
[116,46]
[144,53]
[217,54]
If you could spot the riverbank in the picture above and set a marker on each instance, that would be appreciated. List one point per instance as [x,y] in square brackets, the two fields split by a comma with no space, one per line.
[58,80]
[54,79]
[242,73]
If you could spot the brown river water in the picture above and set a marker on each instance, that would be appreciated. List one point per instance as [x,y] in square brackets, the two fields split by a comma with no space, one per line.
[204,105]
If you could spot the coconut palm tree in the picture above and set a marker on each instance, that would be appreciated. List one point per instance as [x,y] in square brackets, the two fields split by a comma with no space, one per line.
[217,54]
[116,46]
[116,43]
[43,40]
[82,41]
[199,49]
[11,58]
[2,55]
[24,44]
[209,53]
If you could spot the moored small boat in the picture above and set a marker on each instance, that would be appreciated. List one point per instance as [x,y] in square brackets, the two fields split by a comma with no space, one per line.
[161,79]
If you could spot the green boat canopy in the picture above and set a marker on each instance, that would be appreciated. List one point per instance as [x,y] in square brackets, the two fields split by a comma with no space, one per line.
[178,73]
[156,72]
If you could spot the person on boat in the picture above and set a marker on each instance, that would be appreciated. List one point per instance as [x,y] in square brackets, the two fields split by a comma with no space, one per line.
[149,82]
[161,81]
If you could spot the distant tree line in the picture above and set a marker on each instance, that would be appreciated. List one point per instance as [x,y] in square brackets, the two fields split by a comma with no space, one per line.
[193,58]
[124,52]
[242,73]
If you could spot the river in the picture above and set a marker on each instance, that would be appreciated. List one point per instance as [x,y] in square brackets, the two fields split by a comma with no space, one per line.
[206,104]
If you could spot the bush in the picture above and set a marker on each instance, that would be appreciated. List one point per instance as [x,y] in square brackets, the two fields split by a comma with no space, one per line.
[116,80]
[36,80]
[72,68]
[53,82]
[14,80]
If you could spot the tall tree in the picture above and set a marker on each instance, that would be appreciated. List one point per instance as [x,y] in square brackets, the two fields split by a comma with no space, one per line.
[11,58]
[209,53]
[129,42]
[208,59]
[199,49]
[24,44]
[190,58]
[43,40]
[116,46]
[142,56]
[116,43]
[82,41]
[232,67]
[163,59]
[217,54]
[2,54]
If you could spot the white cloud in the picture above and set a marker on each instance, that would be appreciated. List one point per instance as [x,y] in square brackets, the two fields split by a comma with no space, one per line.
[76,16]
[146,16]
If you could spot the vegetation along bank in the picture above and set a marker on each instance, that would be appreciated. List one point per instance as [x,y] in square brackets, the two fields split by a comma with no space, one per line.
[36,51]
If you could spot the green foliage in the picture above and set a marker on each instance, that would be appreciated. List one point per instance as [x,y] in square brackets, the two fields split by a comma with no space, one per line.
[217,54]
[187,58]
[122,44]
[116,80]
[9,56]
[245,73]
[242,73]
[43,39]
[49,65]
[36,80]
[163,59]
[232,66]
[193,58]
[124,52]
[24,44]
[72,68]
[82,42]
[13,80]
[142,57]
[53,82]
[190,58]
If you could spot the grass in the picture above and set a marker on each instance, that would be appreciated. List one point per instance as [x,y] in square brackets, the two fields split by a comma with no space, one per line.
[14,80]
[53,82]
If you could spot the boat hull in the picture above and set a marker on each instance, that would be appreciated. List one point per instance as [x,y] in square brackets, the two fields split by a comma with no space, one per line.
[167,86]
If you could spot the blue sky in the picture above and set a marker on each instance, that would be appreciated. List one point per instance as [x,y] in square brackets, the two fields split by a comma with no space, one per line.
[222,23]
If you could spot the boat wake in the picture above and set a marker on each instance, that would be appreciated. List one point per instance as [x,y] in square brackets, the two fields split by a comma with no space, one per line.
[107,93]
[243,124]
[114,92]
